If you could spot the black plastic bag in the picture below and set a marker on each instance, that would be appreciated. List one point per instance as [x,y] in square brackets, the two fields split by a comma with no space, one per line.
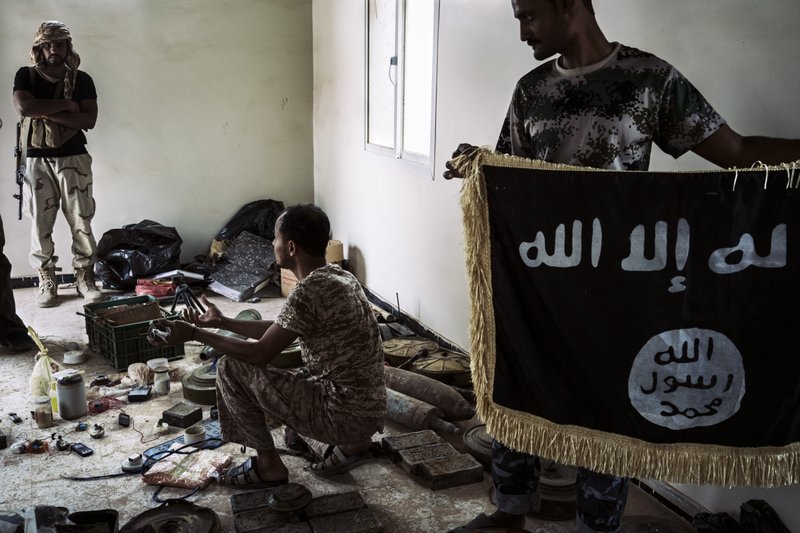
[256,217]
[136,251]
[757,516]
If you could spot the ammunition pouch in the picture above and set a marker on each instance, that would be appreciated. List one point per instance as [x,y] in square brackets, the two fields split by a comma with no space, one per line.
[41,133]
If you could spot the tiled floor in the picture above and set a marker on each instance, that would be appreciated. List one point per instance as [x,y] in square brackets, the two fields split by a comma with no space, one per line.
[401,502]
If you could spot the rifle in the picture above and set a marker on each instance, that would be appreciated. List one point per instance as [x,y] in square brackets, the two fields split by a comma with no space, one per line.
[19,172]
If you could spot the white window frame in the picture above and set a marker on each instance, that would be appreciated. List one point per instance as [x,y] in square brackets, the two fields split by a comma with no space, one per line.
[410,161]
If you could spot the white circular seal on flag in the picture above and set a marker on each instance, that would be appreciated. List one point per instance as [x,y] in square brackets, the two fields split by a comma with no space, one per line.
[686,378]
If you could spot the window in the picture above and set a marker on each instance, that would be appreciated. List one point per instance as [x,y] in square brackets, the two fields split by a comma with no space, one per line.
[401,64]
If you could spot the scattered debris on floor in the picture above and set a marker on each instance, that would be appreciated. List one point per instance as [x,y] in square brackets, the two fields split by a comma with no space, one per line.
[432,400]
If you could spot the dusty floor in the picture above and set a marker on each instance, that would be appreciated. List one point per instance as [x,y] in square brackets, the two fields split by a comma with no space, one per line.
[400,502]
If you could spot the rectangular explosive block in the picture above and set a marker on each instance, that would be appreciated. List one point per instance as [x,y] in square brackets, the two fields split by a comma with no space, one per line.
[182,415]
[302,527]
[359,521]
[246,501]
[259,520]
[411,458]
[392,445]
[453,471]
[334,503]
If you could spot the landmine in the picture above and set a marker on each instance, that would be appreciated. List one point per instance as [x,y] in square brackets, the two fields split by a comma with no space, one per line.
[437,463]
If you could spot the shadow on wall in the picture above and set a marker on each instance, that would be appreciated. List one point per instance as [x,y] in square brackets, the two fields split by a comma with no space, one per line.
[356,260]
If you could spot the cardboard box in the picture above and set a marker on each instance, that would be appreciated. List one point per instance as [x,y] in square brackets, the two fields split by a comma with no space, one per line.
[129,314]
[334,253]
[288,281]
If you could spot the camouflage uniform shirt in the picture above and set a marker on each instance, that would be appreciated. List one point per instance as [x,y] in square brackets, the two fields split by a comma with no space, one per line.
[606,115]
[340,340]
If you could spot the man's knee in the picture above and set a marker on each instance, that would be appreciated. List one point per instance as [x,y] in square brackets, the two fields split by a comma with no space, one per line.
[228,372]
[231,365]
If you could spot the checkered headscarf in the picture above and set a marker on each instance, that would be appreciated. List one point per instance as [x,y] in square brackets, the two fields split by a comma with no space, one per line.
[54,30]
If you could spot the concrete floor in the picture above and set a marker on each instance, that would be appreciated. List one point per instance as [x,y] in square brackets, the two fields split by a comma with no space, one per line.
[400,502]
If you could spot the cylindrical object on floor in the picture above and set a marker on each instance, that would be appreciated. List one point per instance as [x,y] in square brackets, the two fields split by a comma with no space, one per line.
[71,395]
[452,404]
[161,380]
[42,413]
[415,413]
[194,434]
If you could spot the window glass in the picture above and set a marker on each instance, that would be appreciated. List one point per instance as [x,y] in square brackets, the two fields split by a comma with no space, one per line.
[382,75]
[418,76]
[401,78]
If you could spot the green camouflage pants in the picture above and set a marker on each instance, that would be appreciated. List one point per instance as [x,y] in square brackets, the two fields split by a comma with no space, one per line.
[66,183]
[251,398]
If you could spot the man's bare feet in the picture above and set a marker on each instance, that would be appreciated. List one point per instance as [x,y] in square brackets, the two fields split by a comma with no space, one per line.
[269,466]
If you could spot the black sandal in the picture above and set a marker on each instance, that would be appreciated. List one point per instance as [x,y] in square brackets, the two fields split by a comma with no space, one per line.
[246,477]
[336,462]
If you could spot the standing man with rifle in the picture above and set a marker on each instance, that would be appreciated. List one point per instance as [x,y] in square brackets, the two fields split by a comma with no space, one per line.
[57,102]
[13,333]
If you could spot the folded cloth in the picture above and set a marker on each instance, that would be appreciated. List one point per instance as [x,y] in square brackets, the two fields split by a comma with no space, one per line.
[188,468]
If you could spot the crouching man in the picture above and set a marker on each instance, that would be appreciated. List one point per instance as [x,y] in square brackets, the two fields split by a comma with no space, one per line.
[341,403]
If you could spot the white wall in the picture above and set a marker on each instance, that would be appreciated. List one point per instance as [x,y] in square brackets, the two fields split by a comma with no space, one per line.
[204,105]
[403,231]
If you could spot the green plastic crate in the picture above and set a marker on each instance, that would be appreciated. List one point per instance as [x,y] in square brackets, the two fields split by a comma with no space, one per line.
[124,345]
[90,314]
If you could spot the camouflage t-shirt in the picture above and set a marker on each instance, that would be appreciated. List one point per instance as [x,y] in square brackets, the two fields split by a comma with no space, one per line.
[606,115]
[340,340]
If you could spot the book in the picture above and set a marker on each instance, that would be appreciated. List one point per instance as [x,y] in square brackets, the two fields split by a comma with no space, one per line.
[238,293]
[247,267]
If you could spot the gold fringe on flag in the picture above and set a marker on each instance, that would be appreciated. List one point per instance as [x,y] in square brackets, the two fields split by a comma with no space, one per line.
[573,445]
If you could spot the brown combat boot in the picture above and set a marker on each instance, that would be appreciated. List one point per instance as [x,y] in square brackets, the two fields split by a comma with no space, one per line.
[84,283]
[48,288]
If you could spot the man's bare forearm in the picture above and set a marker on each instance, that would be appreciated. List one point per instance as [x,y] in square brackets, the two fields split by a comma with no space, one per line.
[728,149]
[769,150]
[42,107]
[78,121]
[260,352]
[252,329]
